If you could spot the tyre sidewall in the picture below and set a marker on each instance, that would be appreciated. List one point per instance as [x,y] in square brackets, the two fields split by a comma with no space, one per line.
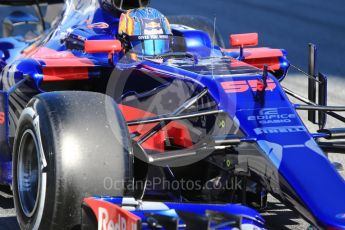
[45,204]
[54,118]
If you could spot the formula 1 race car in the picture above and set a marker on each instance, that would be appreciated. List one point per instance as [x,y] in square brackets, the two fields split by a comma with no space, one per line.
[120,118]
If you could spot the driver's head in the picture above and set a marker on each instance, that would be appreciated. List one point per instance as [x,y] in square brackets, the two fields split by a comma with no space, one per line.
[123,5]
[145,31]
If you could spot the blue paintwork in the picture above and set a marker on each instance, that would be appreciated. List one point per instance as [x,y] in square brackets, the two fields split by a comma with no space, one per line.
[289,146]
[11,47]
[196,41]
[283,62]
[2,60]
[305,178]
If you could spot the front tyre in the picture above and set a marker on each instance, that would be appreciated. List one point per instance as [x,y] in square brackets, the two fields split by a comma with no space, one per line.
[30,179]
[68,146]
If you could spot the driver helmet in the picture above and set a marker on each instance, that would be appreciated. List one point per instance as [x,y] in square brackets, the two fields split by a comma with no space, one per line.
[123,5]
[145,32]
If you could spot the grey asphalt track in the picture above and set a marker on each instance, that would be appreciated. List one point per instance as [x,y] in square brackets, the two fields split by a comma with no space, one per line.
[288,24]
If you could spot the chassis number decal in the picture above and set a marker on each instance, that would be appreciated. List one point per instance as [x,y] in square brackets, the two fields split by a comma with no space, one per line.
[243,86]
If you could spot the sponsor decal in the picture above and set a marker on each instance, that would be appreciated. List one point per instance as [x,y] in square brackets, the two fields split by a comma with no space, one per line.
[151,37]
[272,116]
[153,31]
[118,222]
[2,118]
[152,26]
[98,25]
[111,216]
[280,129]
[243,86]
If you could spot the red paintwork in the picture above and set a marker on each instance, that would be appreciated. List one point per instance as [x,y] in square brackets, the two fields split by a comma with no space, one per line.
[262,52]
[235,86]
[242,40]
[236,63]
[243,86]
[60,66]
[97,25]
[258,57]
[272,63]
[53,58]
[174,130]
[260,85]
[2,118]
[63,74]
[271,85]
[111,216]
[105,46]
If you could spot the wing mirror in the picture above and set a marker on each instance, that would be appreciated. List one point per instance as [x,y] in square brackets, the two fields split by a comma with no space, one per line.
[17,18]
[103,46]
[243,40]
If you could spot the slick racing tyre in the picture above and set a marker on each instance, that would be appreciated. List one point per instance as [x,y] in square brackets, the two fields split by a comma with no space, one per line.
[67,145]
[199,23]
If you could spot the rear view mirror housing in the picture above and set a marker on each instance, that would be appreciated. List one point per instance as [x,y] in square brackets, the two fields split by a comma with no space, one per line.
[103,46]
[243,40]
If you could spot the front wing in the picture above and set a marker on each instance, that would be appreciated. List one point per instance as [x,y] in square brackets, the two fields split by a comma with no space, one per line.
[119,213]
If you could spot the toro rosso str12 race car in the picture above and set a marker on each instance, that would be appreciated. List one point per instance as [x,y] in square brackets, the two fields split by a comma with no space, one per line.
[118,117]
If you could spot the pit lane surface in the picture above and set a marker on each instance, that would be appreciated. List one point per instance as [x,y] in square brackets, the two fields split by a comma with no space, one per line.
[289,24]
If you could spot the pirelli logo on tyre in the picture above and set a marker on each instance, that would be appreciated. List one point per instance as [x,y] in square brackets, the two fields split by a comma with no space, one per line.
[241,86]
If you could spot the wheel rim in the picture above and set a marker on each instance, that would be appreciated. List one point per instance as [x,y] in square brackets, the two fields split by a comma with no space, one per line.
[29,173]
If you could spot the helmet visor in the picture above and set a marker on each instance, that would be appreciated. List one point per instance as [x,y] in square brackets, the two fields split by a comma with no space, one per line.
[124,5]
[150,45]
